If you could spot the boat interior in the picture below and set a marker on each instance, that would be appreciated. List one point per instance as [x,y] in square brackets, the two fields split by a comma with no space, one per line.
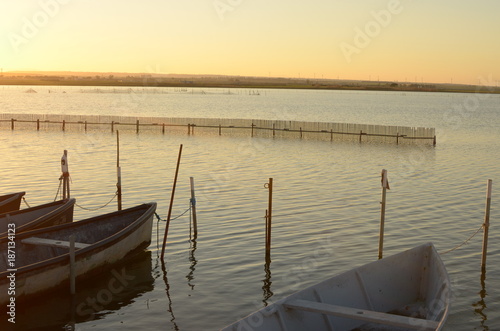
[43,244]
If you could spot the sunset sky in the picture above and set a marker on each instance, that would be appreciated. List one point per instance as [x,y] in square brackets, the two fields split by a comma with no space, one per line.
[400,40]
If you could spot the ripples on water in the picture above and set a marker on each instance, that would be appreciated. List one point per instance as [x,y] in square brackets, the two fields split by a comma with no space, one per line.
[325,204]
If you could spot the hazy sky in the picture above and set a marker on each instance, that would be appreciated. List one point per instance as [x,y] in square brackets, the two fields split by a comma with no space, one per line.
[403,40]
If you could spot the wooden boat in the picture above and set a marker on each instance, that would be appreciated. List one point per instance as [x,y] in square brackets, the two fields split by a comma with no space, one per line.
[10,202]
[407,291]
[53,213]
[42,256]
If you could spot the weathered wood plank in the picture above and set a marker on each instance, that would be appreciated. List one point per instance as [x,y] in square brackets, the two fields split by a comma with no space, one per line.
[52,242]
[364,315]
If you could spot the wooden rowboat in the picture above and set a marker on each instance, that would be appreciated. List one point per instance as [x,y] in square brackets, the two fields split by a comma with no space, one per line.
[10,202]
[407,291]
[53,213]
[42,256]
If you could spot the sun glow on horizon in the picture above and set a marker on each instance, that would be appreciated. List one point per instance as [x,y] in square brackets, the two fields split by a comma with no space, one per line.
[391,40]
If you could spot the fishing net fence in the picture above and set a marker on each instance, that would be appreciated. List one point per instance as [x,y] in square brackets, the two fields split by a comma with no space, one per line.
[321,131]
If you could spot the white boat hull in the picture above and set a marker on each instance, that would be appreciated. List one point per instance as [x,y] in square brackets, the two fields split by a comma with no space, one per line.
[406,291]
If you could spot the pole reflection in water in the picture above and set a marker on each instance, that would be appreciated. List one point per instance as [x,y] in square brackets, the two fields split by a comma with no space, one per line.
[167,290]
[267,283]
[480,305]
[192,267]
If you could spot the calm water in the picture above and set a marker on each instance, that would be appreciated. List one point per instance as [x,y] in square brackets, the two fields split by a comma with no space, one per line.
[325,204]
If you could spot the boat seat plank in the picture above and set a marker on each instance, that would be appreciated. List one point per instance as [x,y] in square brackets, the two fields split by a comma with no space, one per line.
[361,314]
[52,242]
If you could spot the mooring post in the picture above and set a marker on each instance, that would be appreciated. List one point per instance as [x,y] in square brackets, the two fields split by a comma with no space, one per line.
[268,249]
[65,175]
[274,133]
[137,127]
[385,187]
[300,129]
[171,203]
[163,128]
[118,171]
[269,186]
[220,129]
[38,124]
[64,125]
[72,271]
[397,138]
[360,135]
[253,125]
[486,224]
[434,141]
[85,126]
[193,207]
[12,124]
[112,126]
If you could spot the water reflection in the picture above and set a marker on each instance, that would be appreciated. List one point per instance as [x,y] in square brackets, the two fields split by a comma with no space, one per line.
[167,291]
[267,282]
[193,261]
[115,287]
[480,305]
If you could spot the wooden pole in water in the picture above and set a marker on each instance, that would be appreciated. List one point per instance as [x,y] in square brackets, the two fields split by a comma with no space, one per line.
[486,224]
[267,235]
[193,207]
[72,273]
[171,203]
[269,186]
[118,171]
[137,127]
[385,187]
[65,175]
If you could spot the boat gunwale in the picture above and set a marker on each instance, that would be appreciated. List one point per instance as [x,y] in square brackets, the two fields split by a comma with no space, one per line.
[11,197]
[63,258]
[60,207]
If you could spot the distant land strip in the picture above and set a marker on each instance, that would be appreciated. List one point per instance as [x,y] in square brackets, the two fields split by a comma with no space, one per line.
[219,81]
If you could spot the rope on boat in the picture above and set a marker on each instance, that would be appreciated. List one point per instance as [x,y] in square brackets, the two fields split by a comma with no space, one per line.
[58,189]
[465,242]
[161,219]
[94,209]
[26,202]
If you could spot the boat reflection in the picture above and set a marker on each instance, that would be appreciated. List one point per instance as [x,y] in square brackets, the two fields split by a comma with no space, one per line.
[117,286]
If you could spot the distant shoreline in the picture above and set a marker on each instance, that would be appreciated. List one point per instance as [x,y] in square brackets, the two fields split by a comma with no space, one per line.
[236,82]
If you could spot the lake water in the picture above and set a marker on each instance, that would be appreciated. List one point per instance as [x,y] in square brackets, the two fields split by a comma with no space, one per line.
[326,209]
